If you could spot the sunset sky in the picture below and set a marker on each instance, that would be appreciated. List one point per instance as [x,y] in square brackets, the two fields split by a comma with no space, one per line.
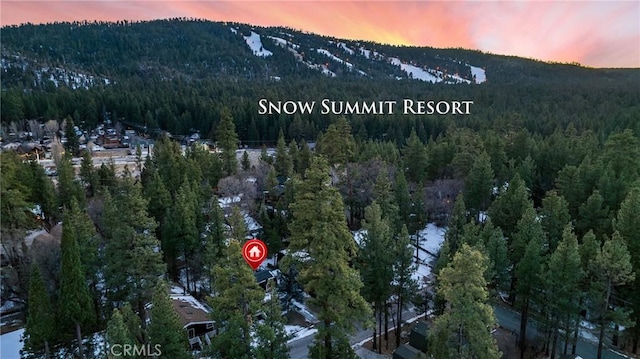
[593,33]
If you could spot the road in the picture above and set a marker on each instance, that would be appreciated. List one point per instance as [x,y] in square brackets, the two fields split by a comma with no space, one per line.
[510,320]
[300,347]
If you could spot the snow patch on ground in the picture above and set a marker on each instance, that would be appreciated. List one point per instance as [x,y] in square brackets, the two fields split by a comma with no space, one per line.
[255,44]
[431,237]
[479,74]
[334,58]
[415,72]
[11,344]
[299,334]
[366,53]
[347,49]
[233,30]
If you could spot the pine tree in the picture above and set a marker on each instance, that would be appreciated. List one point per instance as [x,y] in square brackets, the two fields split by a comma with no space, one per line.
[305,157]
[72,146]
[479,185]
[41,327]
[463,330]
[236,301]
[180,233]
[227,140]
[384,195]
[403,269]
[415,158]
[594,215]
[555,216]
[337,144]
[612,267]
[509,206]
[294,154]
[68,186]
[376,265]
[319,228]
[563,277]
[457,222]
[627,223]
[528,273]
[76,305]
[132,252]
[283,163]
[245,163]
[118,334]
[88,174]
[237,226]
[271,334]
[165,331]
[497,254]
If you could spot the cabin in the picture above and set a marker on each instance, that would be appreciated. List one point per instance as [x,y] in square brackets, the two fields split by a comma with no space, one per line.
[195,318]
[418,336]
[406,351]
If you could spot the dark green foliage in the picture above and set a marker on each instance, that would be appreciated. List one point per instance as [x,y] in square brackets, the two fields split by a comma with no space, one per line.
[227,140]
[479,185]
[133,255]
[76,305]
[165,330]
[271,335]
[41,327]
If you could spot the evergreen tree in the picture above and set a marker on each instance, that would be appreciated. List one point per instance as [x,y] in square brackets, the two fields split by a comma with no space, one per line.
[237,299]
[384,195]
[118,334]
[41,327]
[88,174]
[479,185]
[180,233]
[462,331]
[509,206]
[245,163]
[283,163]
[627,223]
[132,252]
[337,144]
[158,197]
[305,157]
[376,265]
[554,216]
[528,273]
[72,146]
[68,186]
[594,215]
[562,278]
[403,268]
[294,154]
[612,267]
[497,254]
[165,331]
[76,305]
[319,229]
[227,140]
[457,222]
[415,158]
[271,334]
[237,226]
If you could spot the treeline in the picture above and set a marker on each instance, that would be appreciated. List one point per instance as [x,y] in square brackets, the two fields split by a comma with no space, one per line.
[551,222]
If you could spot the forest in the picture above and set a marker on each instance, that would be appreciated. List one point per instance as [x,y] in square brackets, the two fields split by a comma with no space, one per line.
[539,190]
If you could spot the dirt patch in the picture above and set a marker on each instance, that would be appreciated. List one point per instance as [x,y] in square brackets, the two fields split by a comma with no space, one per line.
[389,346]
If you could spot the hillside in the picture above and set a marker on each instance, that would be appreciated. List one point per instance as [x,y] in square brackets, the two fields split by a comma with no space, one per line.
[176,74]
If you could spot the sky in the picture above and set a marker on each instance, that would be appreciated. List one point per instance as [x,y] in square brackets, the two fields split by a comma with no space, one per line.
[592,33]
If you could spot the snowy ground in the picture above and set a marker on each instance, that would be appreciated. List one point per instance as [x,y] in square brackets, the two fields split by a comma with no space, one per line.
[296,332]
[10,344]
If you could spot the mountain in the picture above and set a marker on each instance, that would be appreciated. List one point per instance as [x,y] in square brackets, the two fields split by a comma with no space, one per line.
[83,54]
[176,75]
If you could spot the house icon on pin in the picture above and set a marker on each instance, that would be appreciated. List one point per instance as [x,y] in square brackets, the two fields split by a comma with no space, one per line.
[255,252]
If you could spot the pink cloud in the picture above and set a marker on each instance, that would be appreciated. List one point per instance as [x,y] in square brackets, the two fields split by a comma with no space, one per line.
[594,33]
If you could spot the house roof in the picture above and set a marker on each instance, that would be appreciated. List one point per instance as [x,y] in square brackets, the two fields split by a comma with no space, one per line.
[189,309]
[263,275]
[421,328]
[405,351]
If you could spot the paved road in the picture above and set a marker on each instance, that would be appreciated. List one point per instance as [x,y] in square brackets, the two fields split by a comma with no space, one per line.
[510,320]
[300,347]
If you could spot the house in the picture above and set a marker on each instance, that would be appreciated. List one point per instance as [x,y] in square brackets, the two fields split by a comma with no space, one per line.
[406,351]
[195,318]
[263,276]
[418,336]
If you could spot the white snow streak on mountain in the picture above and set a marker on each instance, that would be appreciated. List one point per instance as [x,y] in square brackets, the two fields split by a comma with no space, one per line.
[255,44]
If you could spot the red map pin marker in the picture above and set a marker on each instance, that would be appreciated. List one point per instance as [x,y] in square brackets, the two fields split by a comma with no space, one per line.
[254,252]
